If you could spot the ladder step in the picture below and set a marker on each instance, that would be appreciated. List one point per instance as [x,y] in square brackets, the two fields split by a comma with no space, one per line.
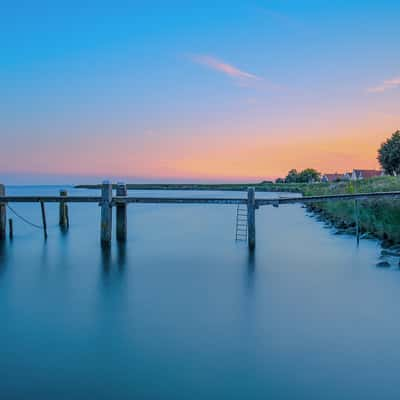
[241,223]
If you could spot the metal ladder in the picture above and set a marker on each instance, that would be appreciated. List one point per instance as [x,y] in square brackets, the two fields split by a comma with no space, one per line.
[241,222]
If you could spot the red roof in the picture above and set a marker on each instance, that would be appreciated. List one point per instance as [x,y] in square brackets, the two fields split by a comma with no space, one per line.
[367,173]
[333,177]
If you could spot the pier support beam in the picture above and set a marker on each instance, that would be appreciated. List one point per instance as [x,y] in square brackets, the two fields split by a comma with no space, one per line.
[106,214]
[3,214]
[63,213]
[121,213]
[251,218]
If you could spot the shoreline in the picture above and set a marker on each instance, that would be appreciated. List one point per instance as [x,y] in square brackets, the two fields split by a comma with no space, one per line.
[261,187]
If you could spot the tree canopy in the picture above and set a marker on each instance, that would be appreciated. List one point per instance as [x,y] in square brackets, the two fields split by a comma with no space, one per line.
[389,154]
[305,176]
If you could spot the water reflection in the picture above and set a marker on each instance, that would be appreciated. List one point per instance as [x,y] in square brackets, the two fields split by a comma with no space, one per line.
[106,260]
[250,271]
[107,263]
[121,256]
[3,257]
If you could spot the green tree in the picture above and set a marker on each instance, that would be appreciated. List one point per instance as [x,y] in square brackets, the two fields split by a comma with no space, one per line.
[389,154]
[292,176]
[309,175]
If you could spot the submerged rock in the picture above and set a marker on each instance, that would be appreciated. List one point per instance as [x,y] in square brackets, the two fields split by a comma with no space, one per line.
[367,236]
[390,253]
[383,264]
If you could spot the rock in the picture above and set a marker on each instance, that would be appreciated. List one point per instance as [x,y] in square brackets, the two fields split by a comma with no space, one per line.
[390,253]
[383,264]
[386,244]
[367,236]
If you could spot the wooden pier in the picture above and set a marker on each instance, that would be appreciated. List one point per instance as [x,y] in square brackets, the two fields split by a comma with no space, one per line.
[107,201]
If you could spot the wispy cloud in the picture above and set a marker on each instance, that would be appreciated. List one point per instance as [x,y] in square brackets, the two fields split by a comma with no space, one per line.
[241,77]
[386,85]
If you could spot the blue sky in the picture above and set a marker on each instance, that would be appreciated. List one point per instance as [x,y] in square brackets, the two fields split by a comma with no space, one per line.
[170,87]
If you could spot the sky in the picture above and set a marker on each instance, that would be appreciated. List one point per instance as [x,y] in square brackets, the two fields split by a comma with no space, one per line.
[198,91]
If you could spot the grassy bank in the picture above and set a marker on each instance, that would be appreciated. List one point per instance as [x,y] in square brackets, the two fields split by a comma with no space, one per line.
[378,217]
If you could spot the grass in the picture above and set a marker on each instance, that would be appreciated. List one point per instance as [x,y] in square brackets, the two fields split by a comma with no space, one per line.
[379,217]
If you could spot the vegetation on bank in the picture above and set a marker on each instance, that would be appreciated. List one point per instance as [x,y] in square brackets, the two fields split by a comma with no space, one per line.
[380,218]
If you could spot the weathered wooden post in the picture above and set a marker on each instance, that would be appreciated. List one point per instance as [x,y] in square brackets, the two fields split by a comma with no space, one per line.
[251,218]
[106,214]
[63,212]
[10,228]
[44,219]
[121,213]
[3,214]
[357,218]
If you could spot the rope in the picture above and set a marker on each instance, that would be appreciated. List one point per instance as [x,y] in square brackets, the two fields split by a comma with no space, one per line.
[23,219]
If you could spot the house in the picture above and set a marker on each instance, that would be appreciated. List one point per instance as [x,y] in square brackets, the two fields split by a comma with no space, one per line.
[347,176]
[331,177]
[365,174]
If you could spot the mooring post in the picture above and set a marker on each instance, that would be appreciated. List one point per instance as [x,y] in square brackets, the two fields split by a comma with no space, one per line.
[63,213]
[106,214]
[121,213]
[357,218]
[44,219]
[3,214]
[251,218]
[10,228]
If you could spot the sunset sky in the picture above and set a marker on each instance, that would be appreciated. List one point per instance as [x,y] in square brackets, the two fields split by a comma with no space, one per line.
[195,90]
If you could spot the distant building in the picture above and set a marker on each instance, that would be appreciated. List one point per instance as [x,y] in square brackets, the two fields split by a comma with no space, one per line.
[347,176]
[365,174]
[332,177]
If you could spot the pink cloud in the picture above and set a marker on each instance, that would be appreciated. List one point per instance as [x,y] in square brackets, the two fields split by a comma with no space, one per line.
[386,85]
[224,68]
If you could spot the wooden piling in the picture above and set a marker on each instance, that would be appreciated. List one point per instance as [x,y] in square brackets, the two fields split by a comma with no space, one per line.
[106,214]
[3,214]
[10,228]
[63,211]
[251,218]
[44,219]
[121,213]
[357,219]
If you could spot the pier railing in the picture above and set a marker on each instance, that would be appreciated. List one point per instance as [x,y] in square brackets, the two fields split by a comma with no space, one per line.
[107,201]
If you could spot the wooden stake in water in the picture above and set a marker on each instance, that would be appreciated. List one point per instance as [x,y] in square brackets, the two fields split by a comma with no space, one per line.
[3,214]
[357,219]
[106,214]
[251,218]
[121,213]
[10,228]
[63,212]
[44,219]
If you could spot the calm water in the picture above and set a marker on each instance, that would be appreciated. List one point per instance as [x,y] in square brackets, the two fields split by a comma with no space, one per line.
[183,311]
